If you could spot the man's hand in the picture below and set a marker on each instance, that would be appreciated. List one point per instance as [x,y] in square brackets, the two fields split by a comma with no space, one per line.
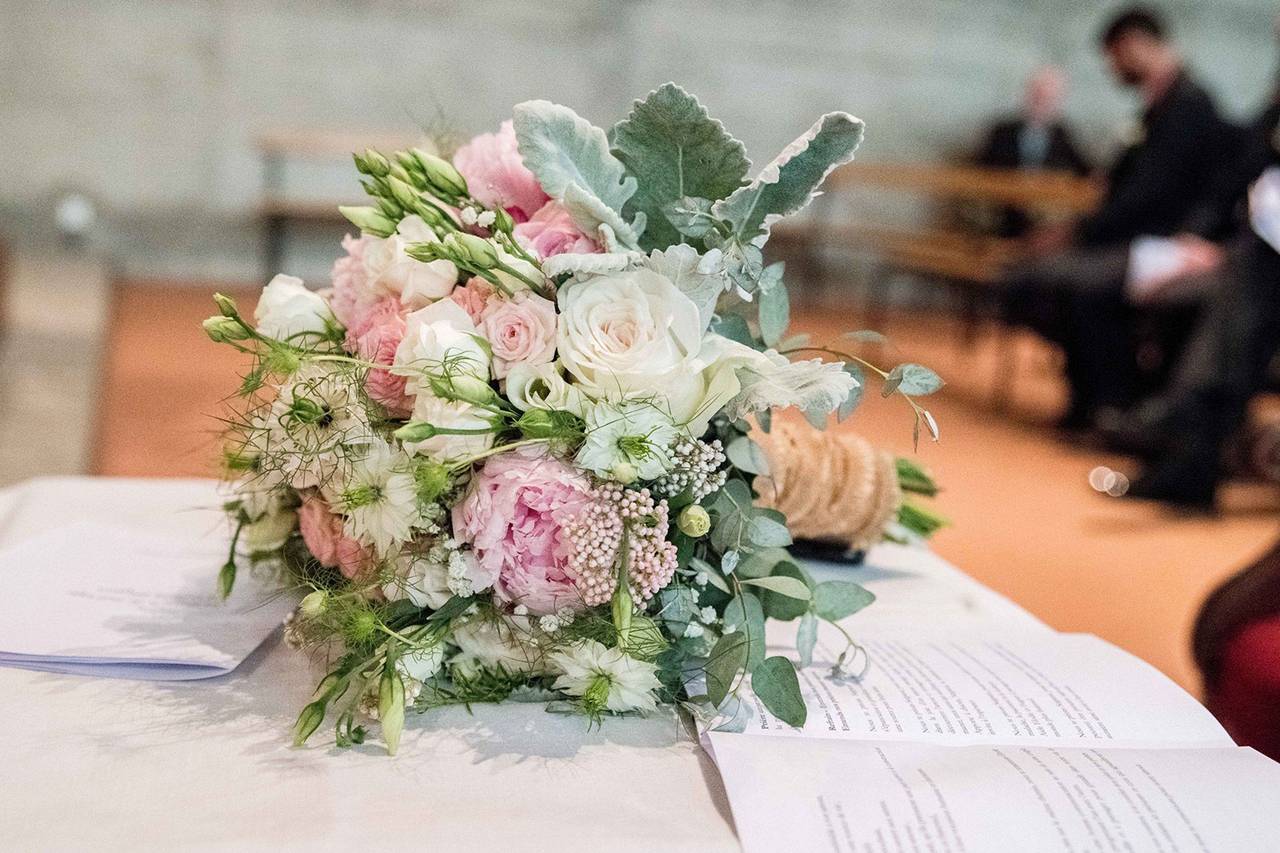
[1050,238]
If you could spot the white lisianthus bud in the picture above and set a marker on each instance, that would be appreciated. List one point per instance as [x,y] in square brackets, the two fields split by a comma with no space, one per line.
[314,603]
[270,532]
[222,329]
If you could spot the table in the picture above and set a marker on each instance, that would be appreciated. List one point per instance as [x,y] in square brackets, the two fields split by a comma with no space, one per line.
[108,764]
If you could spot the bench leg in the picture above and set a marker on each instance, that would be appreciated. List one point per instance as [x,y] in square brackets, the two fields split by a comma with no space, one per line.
[274,233]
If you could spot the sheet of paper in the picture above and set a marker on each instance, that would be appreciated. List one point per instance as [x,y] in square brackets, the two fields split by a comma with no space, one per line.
[1152,261]
[1023,688]
[821,794]
[96,599]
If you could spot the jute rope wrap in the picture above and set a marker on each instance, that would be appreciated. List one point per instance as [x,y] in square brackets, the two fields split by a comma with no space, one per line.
[830,486]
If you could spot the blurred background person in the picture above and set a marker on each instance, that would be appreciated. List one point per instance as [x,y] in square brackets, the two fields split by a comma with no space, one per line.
[1179,142]
[1035,138]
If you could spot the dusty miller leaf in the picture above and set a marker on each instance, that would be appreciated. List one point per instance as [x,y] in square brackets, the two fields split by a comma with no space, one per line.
[592,263]
[790,181]
[570,158]
[675,150]
[699,277]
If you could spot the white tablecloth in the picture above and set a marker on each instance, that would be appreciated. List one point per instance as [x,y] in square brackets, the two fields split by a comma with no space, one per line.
[106,764]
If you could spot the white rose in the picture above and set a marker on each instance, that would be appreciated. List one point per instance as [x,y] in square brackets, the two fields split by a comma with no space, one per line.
[489,644]
[287,308]
[540,386]
[422,662]
[631,335]
[424,582]
[441,332]
[415,283]
[453,415]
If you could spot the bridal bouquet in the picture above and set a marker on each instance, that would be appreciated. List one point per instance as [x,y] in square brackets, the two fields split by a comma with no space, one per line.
[511,452]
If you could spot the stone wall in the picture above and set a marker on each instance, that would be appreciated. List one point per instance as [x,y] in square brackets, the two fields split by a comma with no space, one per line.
[152,106]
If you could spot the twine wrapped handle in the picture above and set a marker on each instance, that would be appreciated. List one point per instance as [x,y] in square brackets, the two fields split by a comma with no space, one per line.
[831,486]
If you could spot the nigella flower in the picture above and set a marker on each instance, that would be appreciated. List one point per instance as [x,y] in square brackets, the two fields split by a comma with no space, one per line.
[377,497]
[316,421]
[606,678]
[634,437]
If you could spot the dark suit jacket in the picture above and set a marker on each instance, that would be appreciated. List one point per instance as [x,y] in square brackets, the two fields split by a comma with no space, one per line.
[1002,150]
[1156,182]
[1222,211]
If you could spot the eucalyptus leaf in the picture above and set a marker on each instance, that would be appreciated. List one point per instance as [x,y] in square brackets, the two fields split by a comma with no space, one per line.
[781,606]
[767,533]
[775,682]
[775,306]
[916,380]
[834,600]
[570,157]
[728,658]
[746,614]
[866,336]
[761,563]
[735,328]
[807,638]
[782,585]
[747,455]
[790,181]
[675,150]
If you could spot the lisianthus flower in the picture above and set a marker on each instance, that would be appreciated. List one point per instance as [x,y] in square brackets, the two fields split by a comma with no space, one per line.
[520,330]
[514,515]
[322,532]
[440,334]
[415,283]
[377,497]
[288,311]
[606,678]
[551,231]
[540,386]
[269,532]
[451,414]
[635,434]
[496,175]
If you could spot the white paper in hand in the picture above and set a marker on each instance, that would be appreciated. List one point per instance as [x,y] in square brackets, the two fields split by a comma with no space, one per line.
[1264,207]
[93,599]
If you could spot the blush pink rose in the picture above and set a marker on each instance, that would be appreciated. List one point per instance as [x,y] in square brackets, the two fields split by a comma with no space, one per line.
[322,532]
[378,344]
[551,231]
[473,297]
[520,330]
[496,175]
[513,516]
[353,298]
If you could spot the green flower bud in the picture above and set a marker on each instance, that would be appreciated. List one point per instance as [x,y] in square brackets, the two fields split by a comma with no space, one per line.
[400,173]
[441,174]
[308,721]
[429,213]
[545,423]
[314,603]
[694,521]
[369,219]
[403,193]
[388,208]
[623,472]
[226,305]
[482,254]
[502,221]
[375,164]
[415,431]
[464,387]
[222,329]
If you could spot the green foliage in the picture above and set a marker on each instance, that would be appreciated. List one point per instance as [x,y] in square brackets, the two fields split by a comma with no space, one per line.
[775,306]
[781,604]
[767,532]
[745,614]
[914,380]
[687,270]
[571,160]
[734,328]
[775,682]
[788,183]
[920,520]
[914,479]
[675,149]
[855,393]
[728,658]
[834,600]
[782,585]
[746,455]
[807,638]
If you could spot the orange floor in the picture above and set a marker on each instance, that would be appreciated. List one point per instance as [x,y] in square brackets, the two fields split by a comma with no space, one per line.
[1025,521]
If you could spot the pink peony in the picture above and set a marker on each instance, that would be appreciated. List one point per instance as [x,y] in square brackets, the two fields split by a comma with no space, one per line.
[354,298]
[322,532]
[514,516]
[520,330]
[378,344]
[496,175]
[473,296]
[552,231]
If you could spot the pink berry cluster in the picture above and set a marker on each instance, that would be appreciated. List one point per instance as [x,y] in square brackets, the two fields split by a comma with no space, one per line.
[595,538]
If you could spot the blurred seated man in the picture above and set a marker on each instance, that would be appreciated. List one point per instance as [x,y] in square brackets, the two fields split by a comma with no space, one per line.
[1036,138]
[1151,189]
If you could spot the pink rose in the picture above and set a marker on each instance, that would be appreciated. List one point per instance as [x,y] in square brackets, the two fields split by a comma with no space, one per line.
[520,330]
[354,298]
[552,231]
[378,344]
[496,175]
[473,296]
[322,532]
[513,516]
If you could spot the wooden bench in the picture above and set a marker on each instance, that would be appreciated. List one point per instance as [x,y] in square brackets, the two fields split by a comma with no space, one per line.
[278,209]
